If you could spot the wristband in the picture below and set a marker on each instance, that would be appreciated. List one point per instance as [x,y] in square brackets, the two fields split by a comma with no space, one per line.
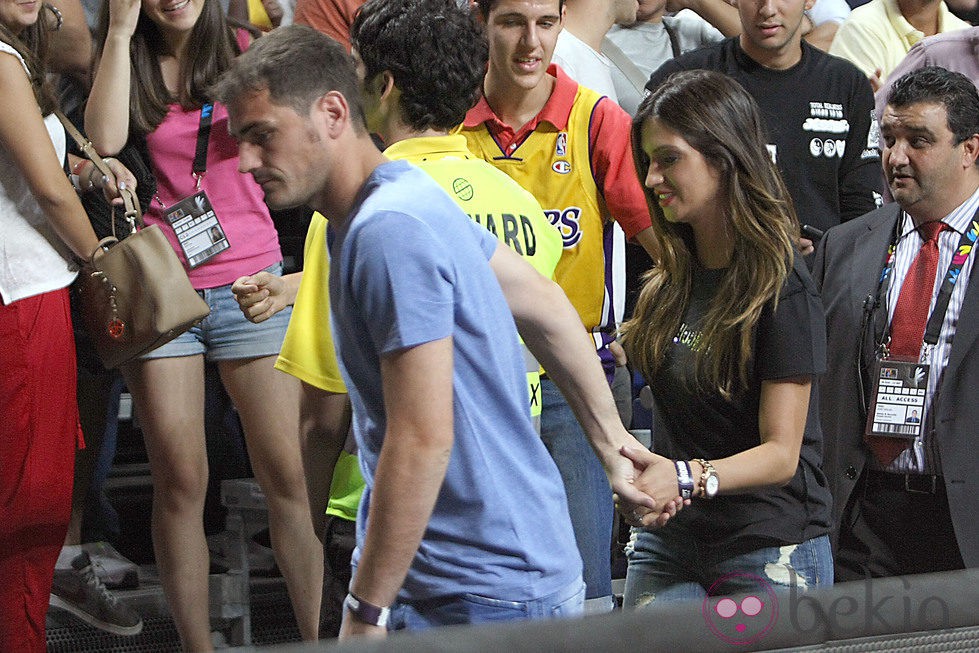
[684,479]
[369,613]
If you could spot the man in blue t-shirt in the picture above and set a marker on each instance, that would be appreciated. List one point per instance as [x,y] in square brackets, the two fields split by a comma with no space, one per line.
[464,517]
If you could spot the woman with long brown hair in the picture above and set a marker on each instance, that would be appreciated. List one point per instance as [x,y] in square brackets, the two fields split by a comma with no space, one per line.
[729,333]
[156,61]
[45,235]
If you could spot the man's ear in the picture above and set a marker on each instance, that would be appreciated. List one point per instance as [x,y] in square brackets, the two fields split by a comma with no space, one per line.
[332,112]
[970,150]
[386,82]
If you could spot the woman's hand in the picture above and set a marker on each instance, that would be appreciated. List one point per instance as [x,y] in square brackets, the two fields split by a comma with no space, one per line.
[120,178]
[123,16]
[657,479]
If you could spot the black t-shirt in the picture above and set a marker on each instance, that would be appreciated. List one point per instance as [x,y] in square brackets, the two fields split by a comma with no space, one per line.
[789,341]
[819,117]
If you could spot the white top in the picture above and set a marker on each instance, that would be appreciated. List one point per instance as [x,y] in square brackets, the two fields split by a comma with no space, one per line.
[588,67]
[648,46]
[829,10]
[33,260]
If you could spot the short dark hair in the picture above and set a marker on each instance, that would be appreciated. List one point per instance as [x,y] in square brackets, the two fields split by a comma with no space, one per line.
[296,65]
[486,5]
[954,91]
[435,51]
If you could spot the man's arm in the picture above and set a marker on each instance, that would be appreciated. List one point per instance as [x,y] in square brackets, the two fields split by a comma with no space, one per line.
[723,16]
[410,470]
[615,173]
[553,331]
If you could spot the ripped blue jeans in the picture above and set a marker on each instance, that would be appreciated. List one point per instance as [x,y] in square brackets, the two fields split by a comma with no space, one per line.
[671,564]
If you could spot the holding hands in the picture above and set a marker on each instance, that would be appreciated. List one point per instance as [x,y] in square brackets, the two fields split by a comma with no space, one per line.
[651,496]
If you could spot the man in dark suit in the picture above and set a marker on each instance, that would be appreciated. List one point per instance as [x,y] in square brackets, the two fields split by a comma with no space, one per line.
[906,493]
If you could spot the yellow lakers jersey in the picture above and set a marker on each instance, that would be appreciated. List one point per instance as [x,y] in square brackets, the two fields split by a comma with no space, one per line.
[555,166]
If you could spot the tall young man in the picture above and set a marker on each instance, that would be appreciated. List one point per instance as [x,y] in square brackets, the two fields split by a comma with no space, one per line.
[570,148]
[449,455]
[818,110]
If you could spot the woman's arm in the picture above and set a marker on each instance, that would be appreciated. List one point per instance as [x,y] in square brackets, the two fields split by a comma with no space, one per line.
[107,112]
[70,50]
[782,412]
[24,136]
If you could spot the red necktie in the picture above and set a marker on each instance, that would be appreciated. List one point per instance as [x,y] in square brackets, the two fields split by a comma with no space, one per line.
[909,321]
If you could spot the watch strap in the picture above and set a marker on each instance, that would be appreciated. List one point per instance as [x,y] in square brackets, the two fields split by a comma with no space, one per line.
[707,473]
[369,613]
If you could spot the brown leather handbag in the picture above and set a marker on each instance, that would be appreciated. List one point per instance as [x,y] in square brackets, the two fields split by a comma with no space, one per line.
[135,294]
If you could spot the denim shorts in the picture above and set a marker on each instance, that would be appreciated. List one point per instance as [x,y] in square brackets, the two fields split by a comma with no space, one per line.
[474,609]
[226,334]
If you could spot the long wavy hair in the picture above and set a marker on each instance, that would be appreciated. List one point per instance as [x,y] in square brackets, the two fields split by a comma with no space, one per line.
[211,49]
[719,119]
[32,45]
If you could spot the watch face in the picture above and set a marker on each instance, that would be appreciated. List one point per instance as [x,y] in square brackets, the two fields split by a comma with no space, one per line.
[711,485]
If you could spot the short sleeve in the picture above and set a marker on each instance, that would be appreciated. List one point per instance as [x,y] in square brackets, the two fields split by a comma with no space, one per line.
[402,282]
[791,339]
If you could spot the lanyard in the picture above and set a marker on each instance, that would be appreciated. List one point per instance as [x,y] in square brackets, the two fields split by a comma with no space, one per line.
[962,252]
[203,137]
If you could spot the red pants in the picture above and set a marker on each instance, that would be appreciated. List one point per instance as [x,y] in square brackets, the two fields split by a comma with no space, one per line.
[38,437]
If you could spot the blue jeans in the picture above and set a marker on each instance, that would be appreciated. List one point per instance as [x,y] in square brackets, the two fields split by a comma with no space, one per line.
[672,564]
[474,609]
[588,491]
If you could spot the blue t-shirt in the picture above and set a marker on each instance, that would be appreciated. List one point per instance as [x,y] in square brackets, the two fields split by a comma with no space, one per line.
[407,268]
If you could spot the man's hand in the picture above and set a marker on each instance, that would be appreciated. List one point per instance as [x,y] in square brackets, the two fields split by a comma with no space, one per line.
[262,295]
[354,627]
[877,79]
[656,482]
[806,246]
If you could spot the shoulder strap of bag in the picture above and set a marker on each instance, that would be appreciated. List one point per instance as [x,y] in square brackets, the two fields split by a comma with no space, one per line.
[625,64]
[133,215]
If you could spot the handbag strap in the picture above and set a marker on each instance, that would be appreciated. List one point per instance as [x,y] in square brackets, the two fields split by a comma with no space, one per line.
[629,69]
[133,214]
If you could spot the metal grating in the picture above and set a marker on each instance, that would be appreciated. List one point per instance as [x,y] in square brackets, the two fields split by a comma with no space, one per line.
[271,613]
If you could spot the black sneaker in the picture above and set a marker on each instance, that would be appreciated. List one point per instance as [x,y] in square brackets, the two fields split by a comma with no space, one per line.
[79,591]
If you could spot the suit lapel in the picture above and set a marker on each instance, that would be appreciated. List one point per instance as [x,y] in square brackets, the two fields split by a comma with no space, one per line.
[967,328]
[868,256]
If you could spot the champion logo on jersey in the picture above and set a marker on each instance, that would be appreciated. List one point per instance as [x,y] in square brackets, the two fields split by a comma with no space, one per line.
[561,147]
[561,167]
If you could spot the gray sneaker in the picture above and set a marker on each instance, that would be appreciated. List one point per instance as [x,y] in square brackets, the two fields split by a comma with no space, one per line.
[79,591]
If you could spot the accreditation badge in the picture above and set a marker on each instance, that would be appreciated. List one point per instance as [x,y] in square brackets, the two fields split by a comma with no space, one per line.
[198,230]
[898,406]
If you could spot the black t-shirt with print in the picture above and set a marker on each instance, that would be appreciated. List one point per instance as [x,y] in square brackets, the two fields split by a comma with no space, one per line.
[789,341]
